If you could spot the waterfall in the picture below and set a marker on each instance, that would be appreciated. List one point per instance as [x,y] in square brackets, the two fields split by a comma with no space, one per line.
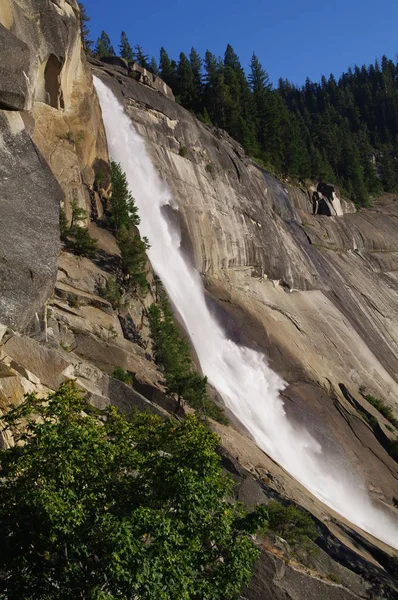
[249,388]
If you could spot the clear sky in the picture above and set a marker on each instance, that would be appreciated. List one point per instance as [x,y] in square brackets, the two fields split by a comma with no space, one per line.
[292,38]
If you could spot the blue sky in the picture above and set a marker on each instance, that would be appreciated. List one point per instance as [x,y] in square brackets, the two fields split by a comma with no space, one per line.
[293,38]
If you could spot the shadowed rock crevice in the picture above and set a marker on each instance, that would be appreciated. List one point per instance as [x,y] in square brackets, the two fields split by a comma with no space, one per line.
[52,82]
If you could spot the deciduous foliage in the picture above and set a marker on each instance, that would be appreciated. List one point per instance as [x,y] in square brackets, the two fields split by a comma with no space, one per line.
[117,509]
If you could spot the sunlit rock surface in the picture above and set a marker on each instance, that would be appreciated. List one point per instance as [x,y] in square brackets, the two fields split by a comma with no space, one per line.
[317,293]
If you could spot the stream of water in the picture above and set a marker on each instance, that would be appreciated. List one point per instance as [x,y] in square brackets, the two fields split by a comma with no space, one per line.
[250,389]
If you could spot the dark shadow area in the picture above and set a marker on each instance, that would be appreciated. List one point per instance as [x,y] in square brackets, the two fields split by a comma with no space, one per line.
[52,82]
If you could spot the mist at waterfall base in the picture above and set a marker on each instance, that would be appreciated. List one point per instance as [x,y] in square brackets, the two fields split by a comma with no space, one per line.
[241,375]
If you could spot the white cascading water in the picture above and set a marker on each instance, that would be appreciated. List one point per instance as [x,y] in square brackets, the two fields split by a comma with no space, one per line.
[241,375]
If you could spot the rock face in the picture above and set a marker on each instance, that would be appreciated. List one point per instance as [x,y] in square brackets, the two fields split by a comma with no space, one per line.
[317,293]
[42,74]
[134,70]
[29,237]
[297,273]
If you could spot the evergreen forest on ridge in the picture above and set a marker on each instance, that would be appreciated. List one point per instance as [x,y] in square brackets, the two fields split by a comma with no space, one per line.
[344,131]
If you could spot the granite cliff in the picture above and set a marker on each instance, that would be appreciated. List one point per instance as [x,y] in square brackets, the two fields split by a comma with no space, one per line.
[289,269]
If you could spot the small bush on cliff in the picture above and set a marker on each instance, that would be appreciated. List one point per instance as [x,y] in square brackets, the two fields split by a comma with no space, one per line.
[122,375]
[76,237]
[111,291]
[172,352]
[385,410]
[117,509]
[293,524]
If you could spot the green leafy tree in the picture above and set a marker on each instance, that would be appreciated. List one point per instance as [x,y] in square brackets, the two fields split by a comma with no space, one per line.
[216,92]
[117,509]
[85,29]
[240,107]
[124,211]
[125,49]
[104,47]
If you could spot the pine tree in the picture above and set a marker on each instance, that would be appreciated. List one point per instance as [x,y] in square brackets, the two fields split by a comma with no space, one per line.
[240,108]
[154,66]
[166,69]
[133,258]
[344,131]
[258,78]
[126,50]
[103,46]
[196,66]
[185,88]
[84,29]
[141,58]
[123,208]
[216,93]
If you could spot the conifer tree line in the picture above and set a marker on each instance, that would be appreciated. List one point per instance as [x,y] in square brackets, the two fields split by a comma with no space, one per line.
[344,130]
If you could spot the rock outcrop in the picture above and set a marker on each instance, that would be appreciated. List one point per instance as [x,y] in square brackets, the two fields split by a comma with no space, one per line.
[29,234]
[52,138]
[134,70]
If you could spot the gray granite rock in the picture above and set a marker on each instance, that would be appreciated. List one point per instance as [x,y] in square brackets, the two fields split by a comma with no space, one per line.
[29,232]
